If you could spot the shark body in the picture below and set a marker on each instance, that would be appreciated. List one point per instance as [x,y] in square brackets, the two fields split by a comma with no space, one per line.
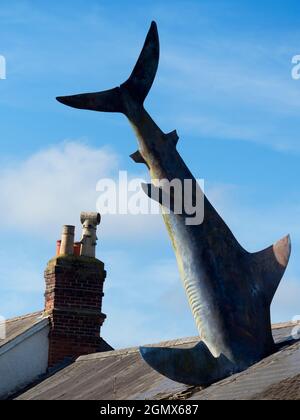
[229,289]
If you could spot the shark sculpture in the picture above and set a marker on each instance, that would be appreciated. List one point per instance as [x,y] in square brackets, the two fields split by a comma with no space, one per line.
[229,289]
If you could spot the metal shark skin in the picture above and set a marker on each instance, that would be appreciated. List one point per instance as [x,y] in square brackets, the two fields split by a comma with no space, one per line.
[229,289]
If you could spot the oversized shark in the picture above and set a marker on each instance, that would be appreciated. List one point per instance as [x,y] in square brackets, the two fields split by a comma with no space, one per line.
[229,289]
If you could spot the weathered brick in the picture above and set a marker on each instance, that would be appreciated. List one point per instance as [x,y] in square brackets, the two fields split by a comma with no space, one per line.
[73,300]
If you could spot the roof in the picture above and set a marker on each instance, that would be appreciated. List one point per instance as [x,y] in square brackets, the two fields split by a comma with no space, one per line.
[288,389]
[261,381]
[124,375]
[19,325]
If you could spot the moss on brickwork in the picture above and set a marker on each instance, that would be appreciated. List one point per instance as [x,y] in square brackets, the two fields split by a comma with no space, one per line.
[70,259]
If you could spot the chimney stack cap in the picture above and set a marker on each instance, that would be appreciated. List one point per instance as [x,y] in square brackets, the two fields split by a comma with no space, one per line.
[92,218]
[68,229]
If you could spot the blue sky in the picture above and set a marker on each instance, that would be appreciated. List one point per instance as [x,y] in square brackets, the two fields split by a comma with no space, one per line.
[224,83]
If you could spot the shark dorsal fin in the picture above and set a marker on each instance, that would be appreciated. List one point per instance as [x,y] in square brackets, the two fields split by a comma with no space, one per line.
[173,137]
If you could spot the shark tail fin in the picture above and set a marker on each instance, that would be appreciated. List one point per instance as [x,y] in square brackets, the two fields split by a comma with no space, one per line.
[142,77]
[137,86]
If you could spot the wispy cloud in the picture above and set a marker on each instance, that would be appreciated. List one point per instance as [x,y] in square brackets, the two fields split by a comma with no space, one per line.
[41,192]
[233,89]
[51,188]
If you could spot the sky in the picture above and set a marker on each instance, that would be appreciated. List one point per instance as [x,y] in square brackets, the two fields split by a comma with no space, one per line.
[224,82]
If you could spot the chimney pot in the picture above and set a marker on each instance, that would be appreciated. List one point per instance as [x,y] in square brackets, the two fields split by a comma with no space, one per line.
[89,221]
[67,240]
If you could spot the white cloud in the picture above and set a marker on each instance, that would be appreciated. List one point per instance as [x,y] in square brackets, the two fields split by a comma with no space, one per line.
[51,188]
[233,90]
[242,72]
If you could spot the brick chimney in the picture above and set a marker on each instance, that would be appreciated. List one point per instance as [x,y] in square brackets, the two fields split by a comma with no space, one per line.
[73,300]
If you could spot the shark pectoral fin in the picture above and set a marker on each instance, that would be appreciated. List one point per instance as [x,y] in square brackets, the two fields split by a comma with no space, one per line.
[194,366]
[270,265]
[138,158]
[106,101]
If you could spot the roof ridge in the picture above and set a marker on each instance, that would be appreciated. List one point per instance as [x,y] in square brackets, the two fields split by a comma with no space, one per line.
[286,324]
[175,342]
[132,350]
[21,317]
